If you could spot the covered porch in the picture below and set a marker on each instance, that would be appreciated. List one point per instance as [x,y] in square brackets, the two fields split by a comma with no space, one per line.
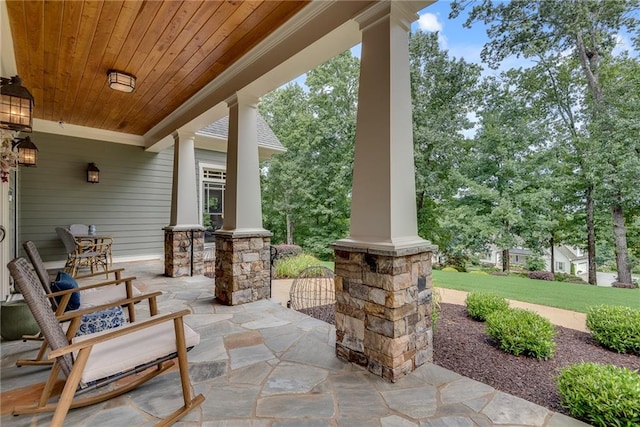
[383,267]
[261,364]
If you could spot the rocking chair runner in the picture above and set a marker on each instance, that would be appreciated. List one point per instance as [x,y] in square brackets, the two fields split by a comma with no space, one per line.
[105,356]
[112,293]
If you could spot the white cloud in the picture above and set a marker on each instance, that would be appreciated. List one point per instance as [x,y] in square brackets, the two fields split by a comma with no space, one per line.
[429,22]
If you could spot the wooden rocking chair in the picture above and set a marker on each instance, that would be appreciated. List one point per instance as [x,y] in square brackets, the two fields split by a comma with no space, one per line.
[106,294]
[94,360]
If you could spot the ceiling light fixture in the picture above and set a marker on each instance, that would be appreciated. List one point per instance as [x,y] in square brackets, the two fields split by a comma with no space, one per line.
[124,82]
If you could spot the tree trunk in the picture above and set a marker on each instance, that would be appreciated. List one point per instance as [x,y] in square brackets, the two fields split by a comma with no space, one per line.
[289,229]
[620,235]
[591,237]
[553,255]
[505,260]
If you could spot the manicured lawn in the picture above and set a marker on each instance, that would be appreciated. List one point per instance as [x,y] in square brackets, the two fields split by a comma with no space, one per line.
[553,294]
[329,264]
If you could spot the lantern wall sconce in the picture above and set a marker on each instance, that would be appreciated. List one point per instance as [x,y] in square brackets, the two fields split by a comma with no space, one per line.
[123,82]
[27,151]
[16,105]
[93,173]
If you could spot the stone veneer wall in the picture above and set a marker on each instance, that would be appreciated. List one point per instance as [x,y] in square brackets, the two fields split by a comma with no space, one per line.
[383,309]
[242,268]
[177,252]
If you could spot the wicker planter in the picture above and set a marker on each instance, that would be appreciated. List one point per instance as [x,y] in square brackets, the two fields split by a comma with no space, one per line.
[16,321]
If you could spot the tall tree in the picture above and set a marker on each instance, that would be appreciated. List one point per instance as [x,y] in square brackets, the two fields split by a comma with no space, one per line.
[306,191]
[499,170]
[546,31]
[443,91]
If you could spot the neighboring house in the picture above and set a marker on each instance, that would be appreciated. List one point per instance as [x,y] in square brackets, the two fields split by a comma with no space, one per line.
[567,259]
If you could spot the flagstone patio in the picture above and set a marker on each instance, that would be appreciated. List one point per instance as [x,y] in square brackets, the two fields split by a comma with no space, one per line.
[261,364]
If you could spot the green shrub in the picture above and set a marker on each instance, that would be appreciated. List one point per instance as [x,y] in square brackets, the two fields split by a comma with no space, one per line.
[450,269]
[481,304]
[603,395]
[541,275]
[480,272]
[615,327]
[519,331]
[569,278]
[291,267]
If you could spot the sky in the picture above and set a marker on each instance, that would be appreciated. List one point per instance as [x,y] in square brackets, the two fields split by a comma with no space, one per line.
[468,42]
[461,42]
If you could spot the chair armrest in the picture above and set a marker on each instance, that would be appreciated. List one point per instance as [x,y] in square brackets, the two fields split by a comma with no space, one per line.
[117,272]
[92,286]
[132,327]
[70,315]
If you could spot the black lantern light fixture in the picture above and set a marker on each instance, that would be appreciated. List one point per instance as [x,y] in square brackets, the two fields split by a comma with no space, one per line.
[16,105]
[93,173]
[27,151]
[124,82]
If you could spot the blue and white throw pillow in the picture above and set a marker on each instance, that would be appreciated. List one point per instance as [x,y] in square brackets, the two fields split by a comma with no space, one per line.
[63,282]
[101,320]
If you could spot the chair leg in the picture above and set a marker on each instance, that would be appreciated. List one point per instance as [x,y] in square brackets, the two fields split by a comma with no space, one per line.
[183,365]
[70,387]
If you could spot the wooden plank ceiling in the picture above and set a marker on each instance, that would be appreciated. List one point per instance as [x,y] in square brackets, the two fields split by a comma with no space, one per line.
[174,48]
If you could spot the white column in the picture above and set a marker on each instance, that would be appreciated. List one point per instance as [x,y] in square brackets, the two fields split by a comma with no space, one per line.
[383,207]
[6,249]
[242,204]
[184,200]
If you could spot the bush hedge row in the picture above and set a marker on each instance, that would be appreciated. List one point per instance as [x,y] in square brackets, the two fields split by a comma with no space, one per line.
[519,331]
[603,395]
[615,327]
[481,304]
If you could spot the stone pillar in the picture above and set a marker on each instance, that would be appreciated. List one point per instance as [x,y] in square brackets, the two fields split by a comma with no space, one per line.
[184,236]
[242,245]
[383,268]
[242,267]
[183,251]
[383,309]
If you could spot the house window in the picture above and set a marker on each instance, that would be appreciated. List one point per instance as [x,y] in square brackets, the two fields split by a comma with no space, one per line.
[560,266]
[213,183]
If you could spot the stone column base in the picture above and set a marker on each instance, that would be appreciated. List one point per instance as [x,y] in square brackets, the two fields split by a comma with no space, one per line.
[242,267]
[383,308]
[183,251]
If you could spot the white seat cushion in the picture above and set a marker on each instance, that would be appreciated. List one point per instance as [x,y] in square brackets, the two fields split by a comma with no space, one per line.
[104,295]
[133,349]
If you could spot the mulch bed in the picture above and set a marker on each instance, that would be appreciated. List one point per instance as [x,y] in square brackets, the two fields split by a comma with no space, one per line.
[461,345]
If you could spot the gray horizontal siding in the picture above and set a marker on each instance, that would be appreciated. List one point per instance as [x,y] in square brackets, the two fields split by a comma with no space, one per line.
[132,202]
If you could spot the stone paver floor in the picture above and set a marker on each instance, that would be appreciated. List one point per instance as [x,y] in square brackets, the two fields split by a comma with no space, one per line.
[261,364]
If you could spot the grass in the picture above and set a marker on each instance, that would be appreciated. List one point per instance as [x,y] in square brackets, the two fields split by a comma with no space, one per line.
[329,264]
[553,294]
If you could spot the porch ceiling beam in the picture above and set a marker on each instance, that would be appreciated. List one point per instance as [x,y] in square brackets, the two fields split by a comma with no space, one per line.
[273,62]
